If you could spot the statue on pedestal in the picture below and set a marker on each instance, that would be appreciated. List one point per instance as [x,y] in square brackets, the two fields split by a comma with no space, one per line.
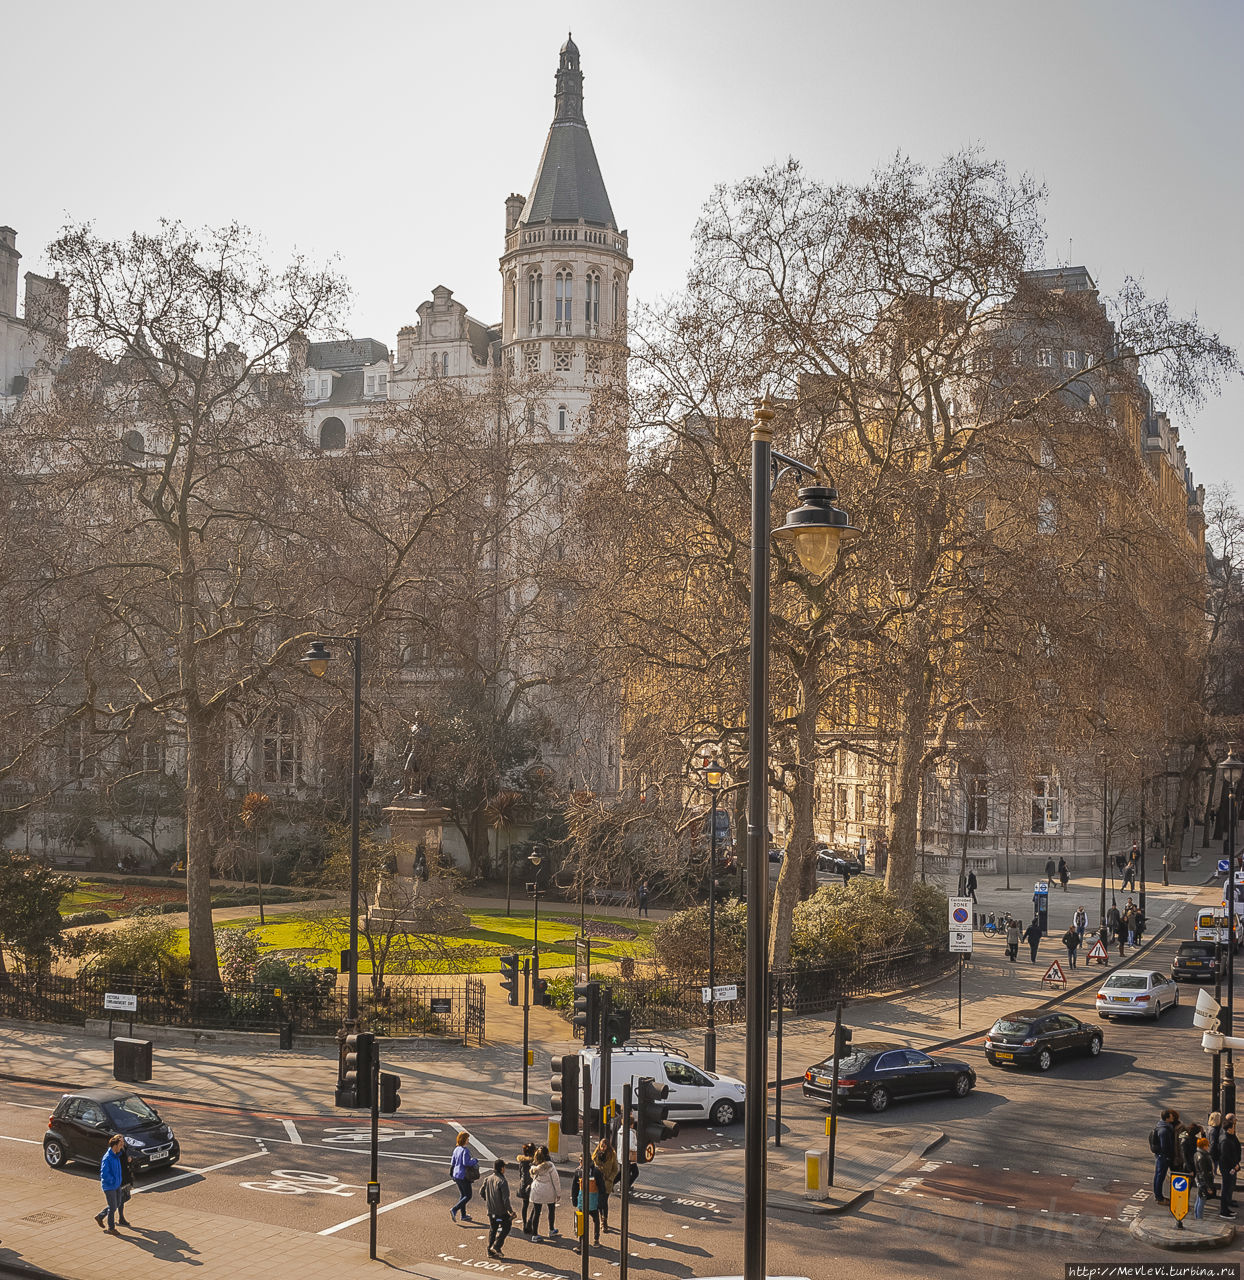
[415,780]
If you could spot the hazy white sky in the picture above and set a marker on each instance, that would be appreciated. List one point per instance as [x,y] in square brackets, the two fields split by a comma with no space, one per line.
[388,134]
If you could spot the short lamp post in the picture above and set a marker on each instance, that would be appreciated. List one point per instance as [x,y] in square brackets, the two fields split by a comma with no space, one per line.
[815,530]
[317,659]
[1230,770]
[710,771]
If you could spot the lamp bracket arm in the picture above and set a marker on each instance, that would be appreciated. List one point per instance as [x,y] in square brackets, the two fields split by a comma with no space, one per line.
[789,466]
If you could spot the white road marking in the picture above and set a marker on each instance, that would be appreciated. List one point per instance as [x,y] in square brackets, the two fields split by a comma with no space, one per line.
[384,1208]
[34,1142]
[292,1129]
[26,1106]
[195,1173]
[475,1142]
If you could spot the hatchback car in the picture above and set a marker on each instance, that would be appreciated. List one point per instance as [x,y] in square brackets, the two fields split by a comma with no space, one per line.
[1037,1036]
[1136,993]
[83,1122]
[875,1074]
[1195,961]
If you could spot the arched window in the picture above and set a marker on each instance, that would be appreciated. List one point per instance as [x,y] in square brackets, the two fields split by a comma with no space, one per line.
[535,301]
[332,434]
[513,308]
[445,364]
[616,314]
[593,300]
[1047,799]
[563,295]
[282,749]
[562,417]
[133,447]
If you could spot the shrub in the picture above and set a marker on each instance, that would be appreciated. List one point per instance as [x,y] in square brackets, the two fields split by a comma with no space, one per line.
[87,917]
[238,953]
[839,922]
[141,948]
[560,992]
[680,941]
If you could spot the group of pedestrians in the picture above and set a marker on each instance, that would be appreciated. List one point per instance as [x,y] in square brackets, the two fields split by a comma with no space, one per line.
[539,1191]
[1202,1152]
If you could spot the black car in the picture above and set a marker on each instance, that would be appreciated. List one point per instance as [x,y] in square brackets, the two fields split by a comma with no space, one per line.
[1195,961]
[877,1073]
[832,862]
[1038,1036]
[83,1122]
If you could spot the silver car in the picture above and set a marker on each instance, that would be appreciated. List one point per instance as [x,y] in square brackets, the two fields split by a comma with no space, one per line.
[1136,993]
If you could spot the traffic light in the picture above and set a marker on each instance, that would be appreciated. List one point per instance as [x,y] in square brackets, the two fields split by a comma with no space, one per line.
[539,991]
[564,1087]
[509,978]
[390,1099]
[651,1126]
[360,1055]
[842,1041]
[586,1015]
[617,1030]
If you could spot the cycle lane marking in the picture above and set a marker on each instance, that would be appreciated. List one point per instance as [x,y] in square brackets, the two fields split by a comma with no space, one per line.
[292,1129]
[196,1173]
[384,1208]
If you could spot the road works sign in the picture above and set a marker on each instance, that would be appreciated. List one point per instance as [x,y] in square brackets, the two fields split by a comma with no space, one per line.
[1055,976]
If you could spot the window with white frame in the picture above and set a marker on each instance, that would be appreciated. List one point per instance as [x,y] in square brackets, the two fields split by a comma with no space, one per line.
[976,789]
[326,385]
[1046,806]
[1045,357]
[371,384]
[535,301]
[1070,359]
[563,289]
[382,384]
[563,417]
[80,752]
[1047,453]
[593,299]
[445,364]
[282,749]
[1016,358]
[617,314]
[1047,516]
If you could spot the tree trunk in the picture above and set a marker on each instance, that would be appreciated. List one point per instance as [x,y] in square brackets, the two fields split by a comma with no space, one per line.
[798,866]
[915,700]
[202,781]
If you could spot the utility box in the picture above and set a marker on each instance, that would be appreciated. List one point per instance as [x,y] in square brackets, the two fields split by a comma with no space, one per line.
[131,1059]
[287,1035]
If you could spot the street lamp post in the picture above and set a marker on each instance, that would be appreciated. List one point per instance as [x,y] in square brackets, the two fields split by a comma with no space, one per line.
[317,659]
[815,529]
[535,858]
[1231,770]
[711,773]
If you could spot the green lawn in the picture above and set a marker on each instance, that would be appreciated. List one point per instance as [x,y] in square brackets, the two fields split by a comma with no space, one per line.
[490,930]
[89,899]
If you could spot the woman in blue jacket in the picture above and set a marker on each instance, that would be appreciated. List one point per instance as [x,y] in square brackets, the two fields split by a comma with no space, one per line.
[463,1169]
[110,1178]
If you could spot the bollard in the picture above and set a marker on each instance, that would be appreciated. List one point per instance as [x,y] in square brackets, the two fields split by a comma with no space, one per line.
[554,1142]
[815,1175]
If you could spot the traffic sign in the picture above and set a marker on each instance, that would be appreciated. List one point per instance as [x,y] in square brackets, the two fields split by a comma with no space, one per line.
[1054,974]
[1098,952]
[1179,1197]
[1042,886]
[1224,866]
[960,913]
[961,940]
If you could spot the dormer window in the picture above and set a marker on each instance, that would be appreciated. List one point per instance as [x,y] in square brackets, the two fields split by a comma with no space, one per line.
[371,384]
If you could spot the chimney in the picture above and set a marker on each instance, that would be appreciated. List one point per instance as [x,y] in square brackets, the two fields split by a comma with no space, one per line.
[513,207]
[9,258]
[47,306]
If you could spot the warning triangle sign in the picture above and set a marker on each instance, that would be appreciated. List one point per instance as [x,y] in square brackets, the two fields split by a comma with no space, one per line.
[1098,952]
[1055,974]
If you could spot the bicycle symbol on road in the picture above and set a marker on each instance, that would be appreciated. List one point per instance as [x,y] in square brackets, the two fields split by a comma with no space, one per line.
[299,1182]
[344,1133]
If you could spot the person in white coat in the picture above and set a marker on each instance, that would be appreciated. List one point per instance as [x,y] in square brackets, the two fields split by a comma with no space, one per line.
[546,1191]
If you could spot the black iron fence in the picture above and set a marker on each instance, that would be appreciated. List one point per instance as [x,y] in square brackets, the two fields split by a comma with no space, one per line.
[666,1004]
[451,1006]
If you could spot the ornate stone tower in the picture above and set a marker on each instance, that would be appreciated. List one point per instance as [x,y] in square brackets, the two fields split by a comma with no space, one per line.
[565,268]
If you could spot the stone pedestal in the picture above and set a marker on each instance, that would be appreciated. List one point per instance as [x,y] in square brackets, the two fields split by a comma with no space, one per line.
[415,826]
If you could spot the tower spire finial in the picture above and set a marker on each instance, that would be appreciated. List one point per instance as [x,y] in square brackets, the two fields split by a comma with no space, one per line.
[568,99]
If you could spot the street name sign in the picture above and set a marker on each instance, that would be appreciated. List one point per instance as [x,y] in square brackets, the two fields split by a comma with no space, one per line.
[117,1000]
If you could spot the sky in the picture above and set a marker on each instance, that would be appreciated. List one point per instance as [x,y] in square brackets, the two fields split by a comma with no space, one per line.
[385,136]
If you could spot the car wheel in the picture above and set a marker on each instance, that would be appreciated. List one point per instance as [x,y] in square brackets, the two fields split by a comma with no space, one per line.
[1045,1060]
[962,1085]
[55,1154]
[878,1099]
[1094,1046]
[724,1112]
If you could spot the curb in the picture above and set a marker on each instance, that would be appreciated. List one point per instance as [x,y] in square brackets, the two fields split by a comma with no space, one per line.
[1159,1232]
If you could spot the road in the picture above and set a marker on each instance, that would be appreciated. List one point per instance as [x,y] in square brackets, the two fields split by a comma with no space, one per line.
[1036,1170]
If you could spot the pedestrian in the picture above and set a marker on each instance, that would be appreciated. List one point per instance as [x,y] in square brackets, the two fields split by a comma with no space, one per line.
[1080,920]
[1120,933]
[1229,1164]
[1064,875]
[1162,1144]
[1012,938]
[525,1161]
[494,1191]
[110,1182]
[464,1170]
[1215,1136]
[971,885]
[127,1183]
[1129,872]
[1112,917]
[546,1191]
[1130,915]
[606,1162]
[1071,940]
[1032,936]
[1050,870]
[1203,1170]
[590,1209]
[1185,1147]
[1139,925]
[1103,936]
[643,897]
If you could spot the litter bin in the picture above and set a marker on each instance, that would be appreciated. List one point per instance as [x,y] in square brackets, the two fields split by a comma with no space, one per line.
[131,1059]
[287,1035]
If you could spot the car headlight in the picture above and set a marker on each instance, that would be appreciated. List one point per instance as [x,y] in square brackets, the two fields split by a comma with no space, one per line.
[740,1089]
[133,1142]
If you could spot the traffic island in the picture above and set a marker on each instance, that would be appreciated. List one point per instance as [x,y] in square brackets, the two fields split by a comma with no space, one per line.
[1157,1227]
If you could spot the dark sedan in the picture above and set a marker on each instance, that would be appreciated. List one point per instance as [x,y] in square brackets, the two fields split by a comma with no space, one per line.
[834,863]
[1195,962]
[83,1122]
[876,1074]
[1035,1037]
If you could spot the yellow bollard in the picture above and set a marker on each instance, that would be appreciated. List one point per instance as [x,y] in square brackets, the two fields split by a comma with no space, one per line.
[830,1121]
[816,1175]
[531,1057]
[554,1141]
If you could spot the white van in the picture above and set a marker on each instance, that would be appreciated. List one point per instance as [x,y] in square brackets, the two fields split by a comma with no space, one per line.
[694,1094]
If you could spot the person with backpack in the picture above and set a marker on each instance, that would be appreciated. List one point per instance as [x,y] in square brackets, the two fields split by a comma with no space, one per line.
[1080,920]
[1162,1144]
[1185,1147]
[586,1199]
[971,886]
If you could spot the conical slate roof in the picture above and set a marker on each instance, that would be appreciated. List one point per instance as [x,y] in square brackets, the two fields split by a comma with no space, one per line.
[568,184]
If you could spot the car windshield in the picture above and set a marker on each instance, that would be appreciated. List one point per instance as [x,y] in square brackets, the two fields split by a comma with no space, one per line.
[1129,981]
[129,1113]
[1009,1027]
[852,1062]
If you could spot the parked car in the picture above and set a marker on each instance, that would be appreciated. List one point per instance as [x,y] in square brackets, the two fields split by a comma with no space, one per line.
[835,863]
[82,1123]
[1037,1036]
[876,1074]
[1195,961]
[1137,993]
[776,854]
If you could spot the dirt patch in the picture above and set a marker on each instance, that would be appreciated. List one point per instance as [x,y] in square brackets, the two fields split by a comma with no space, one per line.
[606,929]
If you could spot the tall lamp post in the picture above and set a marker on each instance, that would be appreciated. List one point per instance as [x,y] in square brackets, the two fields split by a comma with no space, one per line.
[815,529]
[1230,770]
[710,771]
[317,658]
[533,888]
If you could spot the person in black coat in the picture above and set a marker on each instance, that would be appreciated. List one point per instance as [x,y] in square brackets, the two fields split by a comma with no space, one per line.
[1164,1156]
[1032,936]
[1229,1163]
